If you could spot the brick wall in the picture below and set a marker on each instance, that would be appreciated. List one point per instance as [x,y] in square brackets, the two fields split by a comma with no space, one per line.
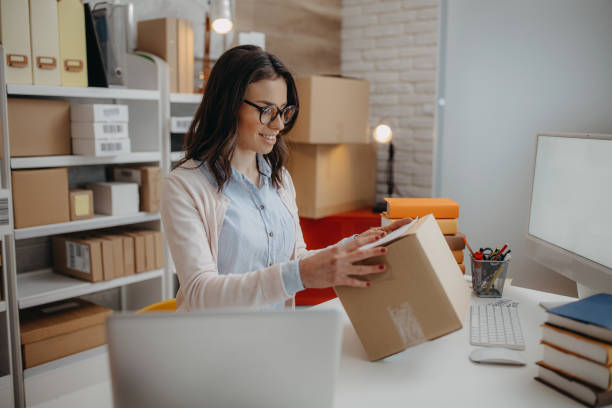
[394,45]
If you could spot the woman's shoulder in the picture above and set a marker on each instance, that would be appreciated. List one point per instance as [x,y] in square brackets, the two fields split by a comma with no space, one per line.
[190,176]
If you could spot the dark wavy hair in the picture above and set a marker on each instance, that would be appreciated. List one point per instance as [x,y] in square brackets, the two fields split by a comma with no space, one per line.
[212,136]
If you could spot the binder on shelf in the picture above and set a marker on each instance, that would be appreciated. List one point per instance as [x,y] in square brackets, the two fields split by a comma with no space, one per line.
[72,42]
[111,31]
[15,38]
[96,75]
[45,42]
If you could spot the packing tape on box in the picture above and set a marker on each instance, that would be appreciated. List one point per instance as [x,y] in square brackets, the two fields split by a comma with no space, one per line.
[407,325]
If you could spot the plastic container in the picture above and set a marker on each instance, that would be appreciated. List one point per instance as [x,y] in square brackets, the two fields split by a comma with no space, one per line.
[488,277]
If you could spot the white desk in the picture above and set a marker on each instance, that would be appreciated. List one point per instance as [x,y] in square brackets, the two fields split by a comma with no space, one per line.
[439,373]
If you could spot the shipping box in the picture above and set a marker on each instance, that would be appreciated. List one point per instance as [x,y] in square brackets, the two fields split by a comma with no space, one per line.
[78,257]
[149,182]
[331,179]
[128,252]
[38,127]
[332,110]
[421,295]
[101,147]
[139,246]
[99,112]
[60,329]
[81,204]
[115,198]
[40,197]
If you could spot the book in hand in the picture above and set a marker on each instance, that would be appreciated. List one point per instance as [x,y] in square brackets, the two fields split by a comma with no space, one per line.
[598,351]
[591,316]
[573,388]
[575,366]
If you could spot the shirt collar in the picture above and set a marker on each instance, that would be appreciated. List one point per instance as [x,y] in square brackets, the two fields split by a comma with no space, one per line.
[263,166]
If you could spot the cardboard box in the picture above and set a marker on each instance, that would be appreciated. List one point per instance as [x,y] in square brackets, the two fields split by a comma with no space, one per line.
[99,130]
[101,147]
[72,42]
[331,179]
[128,253]
[98,112]
[45,42]
[40,197]
[139,250]
[60,329]
[81,204]
[171,39]
[78,257]
[116,255]
[421,295]
[115,198]
[38,127]
[149,182]
[15,38]
[332,110]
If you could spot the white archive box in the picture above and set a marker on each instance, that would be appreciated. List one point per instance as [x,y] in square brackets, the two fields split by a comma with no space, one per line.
[115,198]
[100,147]
[180,124]
[99,130]
[15,38]
[98,112]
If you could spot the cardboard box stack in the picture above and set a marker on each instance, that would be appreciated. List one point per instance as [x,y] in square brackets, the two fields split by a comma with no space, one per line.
[331,161]
[577,342]
[105,255]
[115,198]
[445,211]
[60,329]
[148,179]
[99,129]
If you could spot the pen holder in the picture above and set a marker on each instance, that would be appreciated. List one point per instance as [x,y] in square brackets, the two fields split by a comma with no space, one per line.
[488,277]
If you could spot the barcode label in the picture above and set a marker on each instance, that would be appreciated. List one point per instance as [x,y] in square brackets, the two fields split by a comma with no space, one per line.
[110,112]
[113,128]
[183,123]
[110,146]
[77,257]
[4,212]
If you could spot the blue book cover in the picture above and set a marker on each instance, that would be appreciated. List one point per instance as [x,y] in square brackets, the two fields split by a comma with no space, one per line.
[596,309]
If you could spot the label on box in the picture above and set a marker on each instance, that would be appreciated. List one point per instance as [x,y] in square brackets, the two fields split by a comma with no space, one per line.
[77,257]
[114,129]
[100,147]
[111,147]
[128,175]
[110,112]
[180,124]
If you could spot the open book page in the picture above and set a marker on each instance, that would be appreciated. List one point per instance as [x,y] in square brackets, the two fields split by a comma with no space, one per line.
[391,236]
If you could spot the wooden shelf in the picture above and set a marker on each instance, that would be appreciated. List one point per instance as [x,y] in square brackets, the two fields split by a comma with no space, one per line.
[45,286]
[185,98]
[2,306]
[79,92]
[98,221]
[75,160]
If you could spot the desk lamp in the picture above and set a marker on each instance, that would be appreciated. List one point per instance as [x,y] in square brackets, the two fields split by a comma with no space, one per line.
[219,18]
[383,134]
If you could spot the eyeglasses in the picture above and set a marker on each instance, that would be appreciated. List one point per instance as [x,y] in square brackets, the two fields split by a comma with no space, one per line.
[267,114]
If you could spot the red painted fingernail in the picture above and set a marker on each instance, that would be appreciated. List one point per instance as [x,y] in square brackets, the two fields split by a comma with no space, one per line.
[383,250]
[381,267]
[369,284]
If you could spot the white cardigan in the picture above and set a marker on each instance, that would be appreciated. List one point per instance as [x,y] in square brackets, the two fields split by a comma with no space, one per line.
[192,212]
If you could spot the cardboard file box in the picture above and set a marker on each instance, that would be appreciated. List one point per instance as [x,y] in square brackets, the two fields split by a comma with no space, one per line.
[15,38]
[101,147]
[99,130]
[332,110]
[115,198]
[78,257]
[98,112]
[127,244]
[171,39]
[114,246]
[81,204]
[45,42]
[60,329]
[331,179]
[139,250]
[38,127]
[421,295]
[40,197]
[72,41]
[148,179]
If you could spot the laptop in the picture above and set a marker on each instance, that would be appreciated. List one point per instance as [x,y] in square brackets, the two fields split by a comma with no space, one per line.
[225,359]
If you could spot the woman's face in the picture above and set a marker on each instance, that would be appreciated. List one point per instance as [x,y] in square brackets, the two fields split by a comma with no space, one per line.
[252,134]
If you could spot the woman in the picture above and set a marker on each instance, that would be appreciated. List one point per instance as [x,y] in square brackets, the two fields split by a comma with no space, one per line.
[228,208]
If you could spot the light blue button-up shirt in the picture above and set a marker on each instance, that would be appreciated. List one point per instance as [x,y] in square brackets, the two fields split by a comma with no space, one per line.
[258,229]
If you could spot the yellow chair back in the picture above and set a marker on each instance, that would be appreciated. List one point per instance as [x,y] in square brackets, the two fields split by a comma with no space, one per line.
[163,306]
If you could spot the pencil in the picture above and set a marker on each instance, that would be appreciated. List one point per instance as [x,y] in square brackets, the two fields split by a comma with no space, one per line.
[468,246]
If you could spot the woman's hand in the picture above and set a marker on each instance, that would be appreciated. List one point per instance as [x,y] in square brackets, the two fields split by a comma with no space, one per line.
[334,266]
[386,229]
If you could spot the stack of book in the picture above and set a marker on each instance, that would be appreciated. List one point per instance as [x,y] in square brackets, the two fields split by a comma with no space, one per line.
[445,211]
[577,341]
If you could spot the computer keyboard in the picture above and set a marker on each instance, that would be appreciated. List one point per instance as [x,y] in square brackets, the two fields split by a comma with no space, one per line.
[496,325]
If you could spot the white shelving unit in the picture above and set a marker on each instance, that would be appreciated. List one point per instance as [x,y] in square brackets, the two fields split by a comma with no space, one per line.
[2,306]
[185,98]
[6,391]
[97,222]
[45,286]
[77,92]
[73,160]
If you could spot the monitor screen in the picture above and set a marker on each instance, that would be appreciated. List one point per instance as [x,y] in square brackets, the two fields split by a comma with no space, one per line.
[571,202]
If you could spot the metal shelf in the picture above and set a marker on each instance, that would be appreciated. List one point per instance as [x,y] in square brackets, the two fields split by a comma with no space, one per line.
[78,92]
[75,160]
[2,306]
[45,286]
[185,98]
[176,156]
[98,221]
[6,390]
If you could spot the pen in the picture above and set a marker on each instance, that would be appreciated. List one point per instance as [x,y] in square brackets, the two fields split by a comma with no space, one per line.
[468,246]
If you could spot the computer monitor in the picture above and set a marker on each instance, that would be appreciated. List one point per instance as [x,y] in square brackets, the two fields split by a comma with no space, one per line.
[570,215]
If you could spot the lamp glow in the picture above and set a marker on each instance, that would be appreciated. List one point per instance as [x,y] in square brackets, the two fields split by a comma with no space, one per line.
[222,25]
[383,134]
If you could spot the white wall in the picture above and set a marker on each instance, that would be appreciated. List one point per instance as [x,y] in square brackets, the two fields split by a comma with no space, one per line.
[510,69]
[394,45]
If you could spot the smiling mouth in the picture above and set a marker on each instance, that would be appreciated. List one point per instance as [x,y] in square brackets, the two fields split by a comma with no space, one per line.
[268,137]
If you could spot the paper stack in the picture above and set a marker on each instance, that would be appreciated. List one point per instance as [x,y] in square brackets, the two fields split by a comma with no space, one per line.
[577,341]
[445,211]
